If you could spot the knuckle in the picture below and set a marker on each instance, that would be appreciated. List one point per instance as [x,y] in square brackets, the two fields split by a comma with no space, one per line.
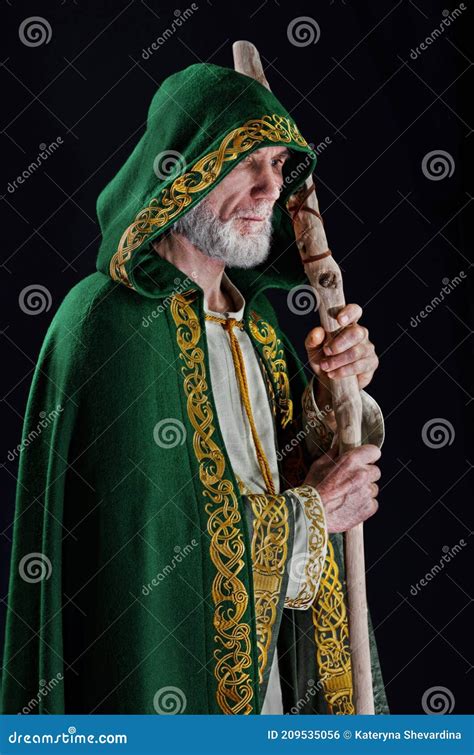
[370,508]
[360,477]
[353,353]
[346,456]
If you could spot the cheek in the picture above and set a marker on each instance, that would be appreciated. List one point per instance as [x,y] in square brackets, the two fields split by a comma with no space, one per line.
[233,192]
[229,204]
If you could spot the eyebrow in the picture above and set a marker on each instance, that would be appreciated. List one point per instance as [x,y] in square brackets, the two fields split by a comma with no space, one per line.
[282,153]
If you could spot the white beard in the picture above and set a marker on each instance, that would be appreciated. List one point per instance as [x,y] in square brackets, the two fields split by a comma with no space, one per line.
[223,240]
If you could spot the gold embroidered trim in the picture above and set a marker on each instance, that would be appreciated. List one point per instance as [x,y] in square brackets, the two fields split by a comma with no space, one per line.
[233,654]
[174,199]
[273,352]
[315,557]
[269,384]
[332,639]
[269,557]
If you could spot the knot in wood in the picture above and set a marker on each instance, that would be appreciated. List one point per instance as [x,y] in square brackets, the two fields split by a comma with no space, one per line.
[328,280]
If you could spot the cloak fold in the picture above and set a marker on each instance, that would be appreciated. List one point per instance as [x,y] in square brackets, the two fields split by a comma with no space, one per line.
[131,584]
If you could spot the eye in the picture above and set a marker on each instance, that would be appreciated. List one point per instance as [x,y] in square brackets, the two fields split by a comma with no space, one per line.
[278,161]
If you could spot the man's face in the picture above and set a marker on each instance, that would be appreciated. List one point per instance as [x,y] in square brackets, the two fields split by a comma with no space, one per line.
[245,197]
[233,223]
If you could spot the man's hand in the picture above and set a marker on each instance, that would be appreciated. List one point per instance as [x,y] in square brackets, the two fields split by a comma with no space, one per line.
[346,485]
[349,352]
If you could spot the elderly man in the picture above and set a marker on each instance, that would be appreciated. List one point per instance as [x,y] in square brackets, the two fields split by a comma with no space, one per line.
[176,543]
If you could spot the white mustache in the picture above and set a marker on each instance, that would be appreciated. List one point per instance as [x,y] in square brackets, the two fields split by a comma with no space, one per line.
[261,212]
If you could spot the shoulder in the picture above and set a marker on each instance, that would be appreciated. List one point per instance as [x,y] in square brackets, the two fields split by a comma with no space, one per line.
[84,301]
[93,316]
[98,306]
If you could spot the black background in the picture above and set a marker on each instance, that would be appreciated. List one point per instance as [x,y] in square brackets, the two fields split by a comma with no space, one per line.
[395,231]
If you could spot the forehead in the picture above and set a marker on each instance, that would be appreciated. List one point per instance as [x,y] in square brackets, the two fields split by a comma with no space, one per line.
[272,152]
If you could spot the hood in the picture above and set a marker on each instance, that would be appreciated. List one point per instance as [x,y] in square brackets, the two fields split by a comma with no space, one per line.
[202,121]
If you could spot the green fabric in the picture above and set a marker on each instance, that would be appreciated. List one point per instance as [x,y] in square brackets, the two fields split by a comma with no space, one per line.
[190,117]
[122,518]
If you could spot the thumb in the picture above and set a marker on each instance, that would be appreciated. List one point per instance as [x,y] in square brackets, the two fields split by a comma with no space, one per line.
[314,338]
[327,458]
[332,453]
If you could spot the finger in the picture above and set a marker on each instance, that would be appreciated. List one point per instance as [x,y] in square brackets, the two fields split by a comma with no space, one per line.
[370,509]
[326,459]
[355,368]
[345,339]
[314,338]
[330,456]
[365,454]
[343,519]
[332,452]
[364,379]
[359,351]
[373,472]
[349,313]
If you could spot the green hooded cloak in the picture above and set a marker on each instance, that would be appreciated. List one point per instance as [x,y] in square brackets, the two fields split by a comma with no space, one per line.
[131,569]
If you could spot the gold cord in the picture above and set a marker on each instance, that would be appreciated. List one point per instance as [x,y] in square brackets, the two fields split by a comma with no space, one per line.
[228,325]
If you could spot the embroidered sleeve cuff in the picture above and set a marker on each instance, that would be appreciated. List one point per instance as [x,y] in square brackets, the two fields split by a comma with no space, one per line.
[320,435]
[309,549]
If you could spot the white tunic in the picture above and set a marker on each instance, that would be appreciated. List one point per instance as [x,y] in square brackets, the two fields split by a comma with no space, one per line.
[234,425]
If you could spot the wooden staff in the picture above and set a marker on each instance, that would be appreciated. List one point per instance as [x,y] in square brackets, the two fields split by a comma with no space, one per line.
[325,277]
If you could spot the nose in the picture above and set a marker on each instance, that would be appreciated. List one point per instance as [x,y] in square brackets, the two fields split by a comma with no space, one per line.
[266,185]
